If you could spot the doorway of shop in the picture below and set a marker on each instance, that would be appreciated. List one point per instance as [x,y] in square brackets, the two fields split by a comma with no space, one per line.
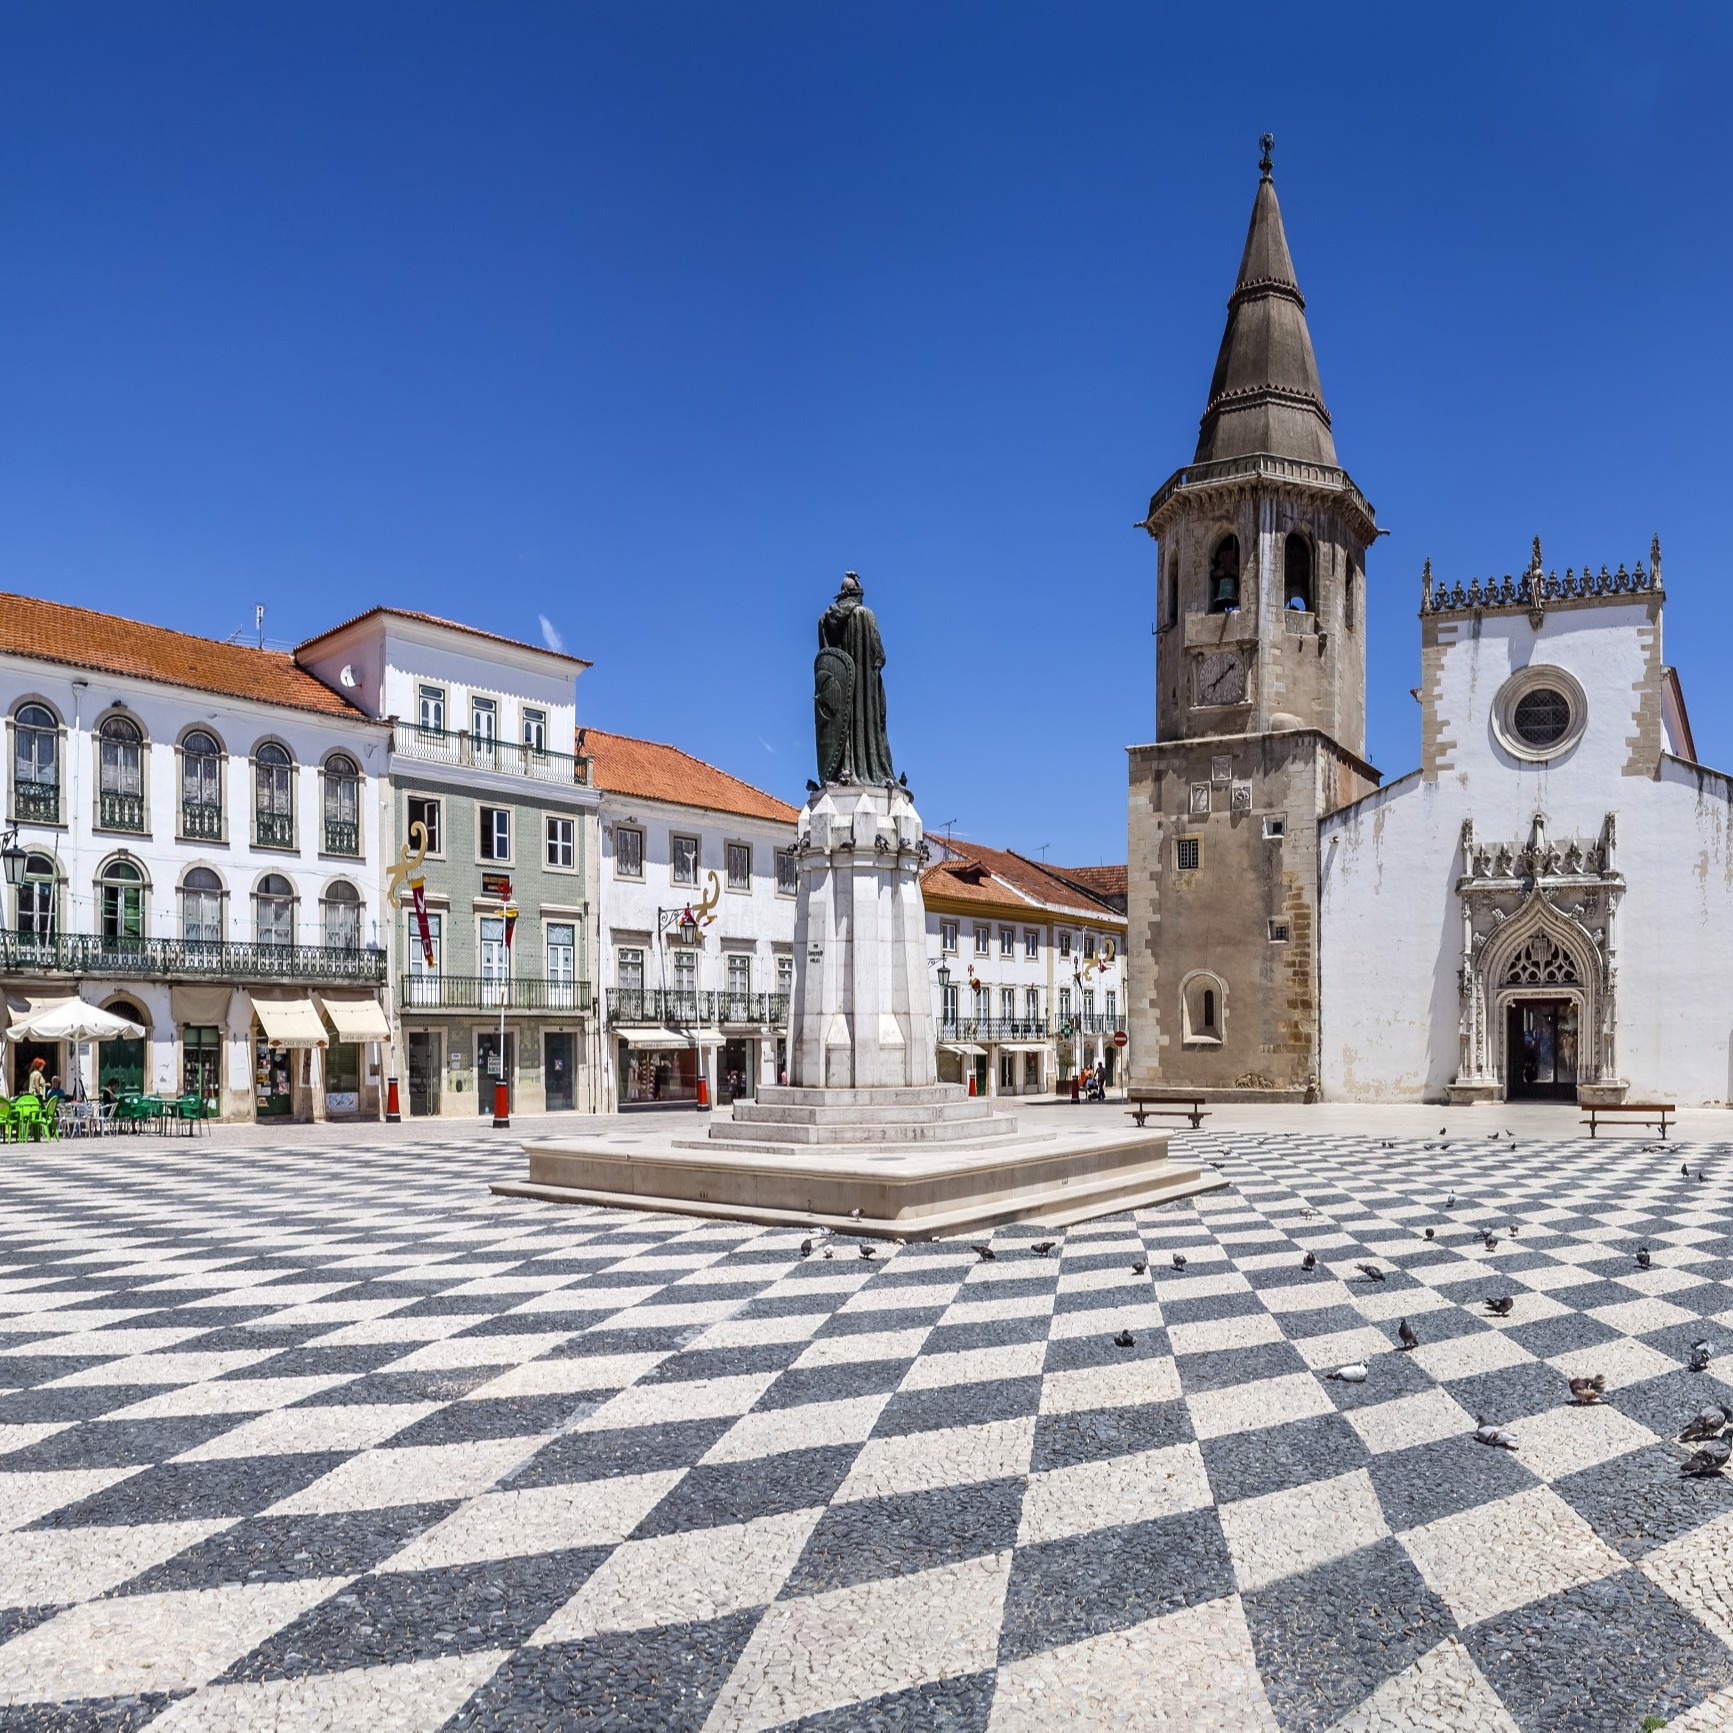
[423,1072]
[488,1072]
[559,1072]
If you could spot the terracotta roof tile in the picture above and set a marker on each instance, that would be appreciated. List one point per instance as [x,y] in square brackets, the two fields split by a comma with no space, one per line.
[1106,882]
[1003,879]
[435,620]
[108,644]
[648,770]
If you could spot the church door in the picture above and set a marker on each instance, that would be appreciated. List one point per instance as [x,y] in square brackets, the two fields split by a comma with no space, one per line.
[1541,1050]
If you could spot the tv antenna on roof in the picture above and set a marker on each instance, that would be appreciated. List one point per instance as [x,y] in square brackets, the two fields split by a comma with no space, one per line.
[259,622]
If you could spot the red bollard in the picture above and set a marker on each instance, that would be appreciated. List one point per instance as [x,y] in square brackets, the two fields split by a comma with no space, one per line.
[501,1104]
[393,1113]
[703,1094]
[1076,1095]
[971,1080]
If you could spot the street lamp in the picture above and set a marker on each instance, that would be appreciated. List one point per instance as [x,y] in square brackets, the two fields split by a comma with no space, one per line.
[14,857]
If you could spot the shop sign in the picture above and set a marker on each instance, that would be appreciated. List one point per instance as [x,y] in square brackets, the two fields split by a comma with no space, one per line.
[496,885]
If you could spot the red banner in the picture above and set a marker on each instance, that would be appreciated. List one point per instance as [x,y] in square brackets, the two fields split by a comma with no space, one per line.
[418,892]
[510,914]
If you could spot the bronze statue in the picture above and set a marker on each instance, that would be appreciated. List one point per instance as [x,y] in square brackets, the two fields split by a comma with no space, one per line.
[849,692]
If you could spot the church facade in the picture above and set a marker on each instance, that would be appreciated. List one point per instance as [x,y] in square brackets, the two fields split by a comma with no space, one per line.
[1537,910]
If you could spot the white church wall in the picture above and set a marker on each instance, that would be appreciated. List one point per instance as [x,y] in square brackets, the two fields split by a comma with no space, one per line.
[1389,918]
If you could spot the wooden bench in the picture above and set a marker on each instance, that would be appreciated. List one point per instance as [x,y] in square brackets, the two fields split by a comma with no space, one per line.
[1638,1112]
[1143,1105]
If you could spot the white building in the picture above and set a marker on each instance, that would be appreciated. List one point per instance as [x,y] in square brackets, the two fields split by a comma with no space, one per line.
[1027,965]
[477,728]
[203,829]
[1545,906]
[697,898]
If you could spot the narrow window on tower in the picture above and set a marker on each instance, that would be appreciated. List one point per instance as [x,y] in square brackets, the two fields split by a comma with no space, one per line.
[1173,591]
[1224,576]
[1297,574]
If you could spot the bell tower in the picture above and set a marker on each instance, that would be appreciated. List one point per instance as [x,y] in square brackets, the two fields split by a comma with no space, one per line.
[1260,704]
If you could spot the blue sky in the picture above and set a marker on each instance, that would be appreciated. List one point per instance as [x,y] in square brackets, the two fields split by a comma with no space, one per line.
[652,321]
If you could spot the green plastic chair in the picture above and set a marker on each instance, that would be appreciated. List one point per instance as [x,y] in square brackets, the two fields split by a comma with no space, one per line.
[8,1121]
[51,1116]
[190,1111]
[27,1115]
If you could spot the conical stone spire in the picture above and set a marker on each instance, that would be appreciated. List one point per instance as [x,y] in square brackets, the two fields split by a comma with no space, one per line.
[1265,396]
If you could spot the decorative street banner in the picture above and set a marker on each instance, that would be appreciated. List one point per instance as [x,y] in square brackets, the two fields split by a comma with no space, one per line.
[510,913]
[418,893]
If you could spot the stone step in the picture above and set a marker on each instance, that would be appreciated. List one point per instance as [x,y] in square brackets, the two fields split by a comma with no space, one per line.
[878,1113]
[923,1129]
[930,1094]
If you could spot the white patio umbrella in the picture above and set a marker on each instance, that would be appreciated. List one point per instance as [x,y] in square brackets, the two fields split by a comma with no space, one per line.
[72,1020]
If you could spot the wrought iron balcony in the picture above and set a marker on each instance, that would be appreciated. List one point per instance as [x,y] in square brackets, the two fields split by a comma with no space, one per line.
[201,820]
[481,752]
[274,829]
[185,959]
[115,811]
[673,1008]
[1093,1022]
[993,1029]
[343,836]
[439,992]
[36,802]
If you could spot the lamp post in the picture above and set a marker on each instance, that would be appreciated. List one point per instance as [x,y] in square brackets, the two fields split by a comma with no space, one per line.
[13,857]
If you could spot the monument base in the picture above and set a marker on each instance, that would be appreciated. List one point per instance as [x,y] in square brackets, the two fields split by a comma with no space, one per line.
[874,1186]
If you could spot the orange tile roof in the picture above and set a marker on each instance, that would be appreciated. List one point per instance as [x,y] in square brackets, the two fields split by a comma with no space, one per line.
[435,620]
[649,770]
[1002,879]
[1106,882]
[108,644]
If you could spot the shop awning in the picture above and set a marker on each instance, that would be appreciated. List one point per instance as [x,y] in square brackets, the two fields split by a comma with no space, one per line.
[63,1019]
[662,1038]
[290,1022]
[21,1007]
[966,1048]
[355,1017]
[1022,1046]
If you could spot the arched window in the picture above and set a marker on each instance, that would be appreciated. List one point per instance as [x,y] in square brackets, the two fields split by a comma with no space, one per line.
[1297,573]
[342,912]
[120,774]
[1202,997]
[201,786]
[1224,576]
[39,899]
[274,911]
[36,765]
[274,796]
[202,907]
[342,805]
[120,902]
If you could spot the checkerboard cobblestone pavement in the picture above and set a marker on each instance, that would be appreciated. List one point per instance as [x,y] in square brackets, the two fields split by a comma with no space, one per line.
[332,1438]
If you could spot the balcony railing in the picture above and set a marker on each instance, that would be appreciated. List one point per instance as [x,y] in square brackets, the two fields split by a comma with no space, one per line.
[342,836]
[994,1029]
[115,811]
[36,802]
[675,1008]
[1093,1022]
[420,992]
[274,829]
[480,752]
[202,821]
[185,959]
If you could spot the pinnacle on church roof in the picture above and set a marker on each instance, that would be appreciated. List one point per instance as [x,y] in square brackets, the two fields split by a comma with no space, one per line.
[1265,396]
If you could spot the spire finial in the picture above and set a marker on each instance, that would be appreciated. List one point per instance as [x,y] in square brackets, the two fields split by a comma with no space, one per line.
[1534,564]
[1268,144]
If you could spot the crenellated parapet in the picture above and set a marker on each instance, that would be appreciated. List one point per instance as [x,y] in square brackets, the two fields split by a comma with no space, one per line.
[1535,588]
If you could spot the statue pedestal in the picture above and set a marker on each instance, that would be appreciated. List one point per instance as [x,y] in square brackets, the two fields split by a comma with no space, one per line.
[862,1015]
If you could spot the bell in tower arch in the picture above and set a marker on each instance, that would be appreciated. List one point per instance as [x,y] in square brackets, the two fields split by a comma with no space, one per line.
[1224,576]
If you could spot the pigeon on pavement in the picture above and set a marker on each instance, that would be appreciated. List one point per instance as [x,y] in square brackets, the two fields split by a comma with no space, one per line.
[867,1251]
[1405,1334]
[829,1252]
[854,1215]
[1309,1261]
[1492,1242]
[1700,1352]
[1429,1233]
[1179,1260]
[1450,1202]
[1705,1423]
[1586,1392]
[1486,1433]
[1042,1247]
[1141,1267]
[1499,1304]
[985,1253]
[806,1248]
[1355,1374]
[1124,1339]
[1371,1272]
[1685,1169]
[1711,1459]
[1642,1257]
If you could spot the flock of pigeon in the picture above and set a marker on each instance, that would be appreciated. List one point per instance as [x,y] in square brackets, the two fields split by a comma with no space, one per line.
[1711,1428]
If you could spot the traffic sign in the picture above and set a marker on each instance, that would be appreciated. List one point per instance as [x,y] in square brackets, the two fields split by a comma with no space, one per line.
[1121,1039]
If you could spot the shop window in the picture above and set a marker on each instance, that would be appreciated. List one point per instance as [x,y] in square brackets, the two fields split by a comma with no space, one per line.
[120,901]
[1297,573]
[274,911]
[201,907]
[562,843]
[426,811]
[202,1064]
